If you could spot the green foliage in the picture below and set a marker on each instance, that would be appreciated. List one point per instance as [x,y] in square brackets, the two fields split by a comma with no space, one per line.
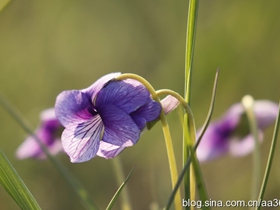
[13,184]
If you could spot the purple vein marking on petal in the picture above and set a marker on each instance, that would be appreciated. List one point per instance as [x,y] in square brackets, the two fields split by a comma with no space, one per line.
[81,142]
[71,107]
[126,95]
[119,126]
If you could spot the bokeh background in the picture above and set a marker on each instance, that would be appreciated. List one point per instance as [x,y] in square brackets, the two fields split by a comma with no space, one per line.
[50,46]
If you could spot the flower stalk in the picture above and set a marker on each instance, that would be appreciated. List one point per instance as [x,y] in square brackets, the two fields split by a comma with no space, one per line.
[191,137]
[166,132]
[248,103]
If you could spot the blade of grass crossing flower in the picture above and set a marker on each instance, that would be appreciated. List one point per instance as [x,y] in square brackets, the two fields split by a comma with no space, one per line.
[248,103]
[82,193]
[117,194]
[190,42]
[13,184]
[270,159]
[125,200]
[190,142]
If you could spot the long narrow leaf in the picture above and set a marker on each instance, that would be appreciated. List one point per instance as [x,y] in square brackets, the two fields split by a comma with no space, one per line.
[13,184]
[189,180]
[116,195]
[204,127]
[270,159]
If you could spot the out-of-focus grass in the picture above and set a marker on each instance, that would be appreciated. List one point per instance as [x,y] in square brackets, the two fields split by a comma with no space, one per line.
[50,46]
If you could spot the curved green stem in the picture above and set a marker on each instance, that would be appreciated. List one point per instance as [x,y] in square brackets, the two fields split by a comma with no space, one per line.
[166,132]
[191,124]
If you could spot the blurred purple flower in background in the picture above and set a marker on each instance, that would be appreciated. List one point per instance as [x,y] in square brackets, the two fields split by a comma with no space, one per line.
[231,134]
[48,134]
[106,117]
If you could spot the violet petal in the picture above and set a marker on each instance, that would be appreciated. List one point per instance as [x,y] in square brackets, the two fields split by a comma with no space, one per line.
[81,142]
[72,107]
[241,147]
[214,143]
[169,103]
[98,85]
[126,95]
[266,112]
[107,150]
[119,126]
[149,112]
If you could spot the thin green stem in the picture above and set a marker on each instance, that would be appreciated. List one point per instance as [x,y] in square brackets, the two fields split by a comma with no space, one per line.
[166,133]
[248,103]
[125,199]
[74,183]
[270,159]
[204,127]
[190,43]
[191,124]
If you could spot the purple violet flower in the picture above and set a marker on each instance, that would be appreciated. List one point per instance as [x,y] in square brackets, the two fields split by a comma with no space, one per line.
[231,134]
[48,133]
[106,117]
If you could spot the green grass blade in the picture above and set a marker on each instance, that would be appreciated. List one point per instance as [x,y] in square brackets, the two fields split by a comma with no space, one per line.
[204,127]
[190,43]
[124,197]
[117,194]
[13,184]
[210,111]
[270,159]
[189,180]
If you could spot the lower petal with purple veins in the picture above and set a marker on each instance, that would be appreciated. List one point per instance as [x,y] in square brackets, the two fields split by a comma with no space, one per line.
[107,150]
[81,141]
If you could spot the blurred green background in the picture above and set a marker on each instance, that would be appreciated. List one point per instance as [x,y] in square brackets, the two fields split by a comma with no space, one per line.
[50,46]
